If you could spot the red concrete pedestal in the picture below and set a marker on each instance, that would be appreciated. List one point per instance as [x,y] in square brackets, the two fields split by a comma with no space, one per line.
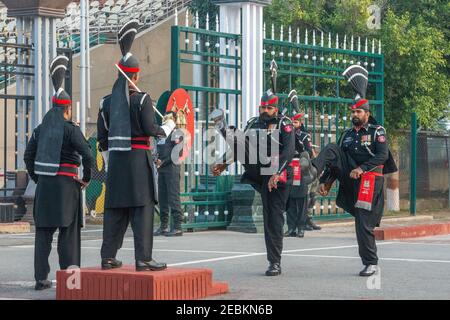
[127,284]
[405,232]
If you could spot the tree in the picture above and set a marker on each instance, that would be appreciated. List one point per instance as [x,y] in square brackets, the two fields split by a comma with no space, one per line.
[203,7]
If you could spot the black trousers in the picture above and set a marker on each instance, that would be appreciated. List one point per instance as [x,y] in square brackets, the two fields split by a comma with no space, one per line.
[69,248]
[169,196]
[115,224]
[297,213]
[274,204]
[333,157]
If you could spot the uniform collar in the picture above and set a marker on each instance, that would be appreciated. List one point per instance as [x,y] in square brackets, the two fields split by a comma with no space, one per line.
[364,126]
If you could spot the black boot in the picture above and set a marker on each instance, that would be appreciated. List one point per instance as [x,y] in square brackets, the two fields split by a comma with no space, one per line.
[290,233]
[368,270]
[111,263]
[300,233]
[42,285]
[151,265]
[161,231]
[314,226]
[311,225]
[274,269]
[175,233]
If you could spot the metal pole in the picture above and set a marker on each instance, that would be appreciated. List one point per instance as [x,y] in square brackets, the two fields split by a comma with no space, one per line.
[83,81]
[412,191]
[448,164]
[88,60]
[47,89]
[37,110]
[21,130]
[83,67]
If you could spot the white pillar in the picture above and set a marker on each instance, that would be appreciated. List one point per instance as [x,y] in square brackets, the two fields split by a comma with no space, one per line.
[251,28]
[230,22]
[252,58]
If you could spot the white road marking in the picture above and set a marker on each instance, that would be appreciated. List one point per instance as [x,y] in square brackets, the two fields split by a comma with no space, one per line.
[353,257]
[332,248]
[423,243]
[215,259]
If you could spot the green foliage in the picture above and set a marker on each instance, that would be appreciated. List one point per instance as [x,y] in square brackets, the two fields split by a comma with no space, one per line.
[203,7]
[415,42]
[416,77]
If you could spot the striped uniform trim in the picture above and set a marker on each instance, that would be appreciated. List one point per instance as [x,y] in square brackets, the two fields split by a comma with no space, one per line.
[46,164]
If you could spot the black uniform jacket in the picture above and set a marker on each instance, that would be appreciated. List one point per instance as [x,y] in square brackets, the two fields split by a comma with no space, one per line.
[282,136]
[131,178]
[366,148]
[57,199]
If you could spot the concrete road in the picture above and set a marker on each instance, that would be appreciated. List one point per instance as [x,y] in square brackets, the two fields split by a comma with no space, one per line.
[323,265]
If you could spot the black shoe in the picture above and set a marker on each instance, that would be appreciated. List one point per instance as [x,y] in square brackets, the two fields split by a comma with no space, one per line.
[314,226]
[161,231]
[290,233]
[308,228]
[42,285]
[368,270]
[309,172]
[175,233]
[151,265]
[111,263]
[301,233]
[273,270]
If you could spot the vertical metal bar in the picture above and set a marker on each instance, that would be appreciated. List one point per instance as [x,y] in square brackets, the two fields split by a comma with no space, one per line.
[83,84]
[83,67]
[20,89]
[37,110]
[88,60]
[412,191]
[46,88]
[379,91]
[447,144]
[5,141]
[175,59]
[16,133]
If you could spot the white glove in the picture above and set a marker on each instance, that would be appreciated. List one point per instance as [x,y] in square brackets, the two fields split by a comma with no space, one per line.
[105,155]
[168,126]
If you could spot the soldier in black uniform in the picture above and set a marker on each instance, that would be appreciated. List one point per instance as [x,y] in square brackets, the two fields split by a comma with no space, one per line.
[169,185]
[274,187]
[125,124]
[52,158]
[359,161]
[297,208]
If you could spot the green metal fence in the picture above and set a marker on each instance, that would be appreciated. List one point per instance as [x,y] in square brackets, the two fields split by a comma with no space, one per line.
[206,200]
[313,68]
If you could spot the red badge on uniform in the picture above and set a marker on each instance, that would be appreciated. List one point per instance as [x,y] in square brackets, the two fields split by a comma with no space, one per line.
[288,128]
[381,139]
